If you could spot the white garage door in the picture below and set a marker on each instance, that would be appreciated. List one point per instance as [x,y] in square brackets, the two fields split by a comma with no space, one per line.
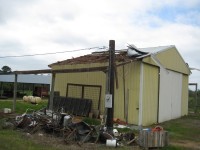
[169,95]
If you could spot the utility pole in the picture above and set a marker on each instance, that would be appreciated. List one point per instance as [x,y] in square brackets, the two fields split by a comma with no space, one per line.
[52,91]
[110,110]
[15,93]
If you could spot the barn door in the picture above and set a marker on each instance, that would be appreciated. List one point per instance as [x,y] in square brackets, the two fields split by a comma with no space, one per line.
[169,95]
[82,91]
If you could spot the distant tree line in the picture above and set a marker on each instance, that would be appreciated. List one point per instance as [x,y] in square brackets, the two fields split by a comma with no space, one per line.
[5,69]
[192,99]
[193,93]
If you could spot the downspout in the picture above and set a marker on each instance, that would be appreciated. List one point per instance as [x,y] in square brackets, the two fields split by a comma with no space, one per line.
[158,103]
[141,96]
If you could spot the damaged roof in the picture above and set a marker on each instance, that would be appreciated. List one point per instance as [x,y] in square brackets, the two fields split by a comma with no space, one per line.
[120,56]
[94,58]
[157,49]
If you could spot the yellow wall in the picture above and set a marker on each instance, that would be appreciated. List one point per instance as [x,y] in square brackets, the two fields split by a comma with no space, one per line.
[134,85]
[150,95]
[184,104]
[76,66]
[170,59]
[132,78]
[87,78]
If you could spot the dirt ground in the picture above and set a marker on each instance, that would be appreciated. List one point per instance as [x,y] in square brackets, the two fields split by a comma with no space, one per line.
[42,138]
[57,142]
[187,144]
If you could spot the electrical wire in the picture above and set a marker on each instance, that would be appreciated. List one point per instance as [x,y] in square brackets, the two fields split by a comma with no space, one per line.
[28,55]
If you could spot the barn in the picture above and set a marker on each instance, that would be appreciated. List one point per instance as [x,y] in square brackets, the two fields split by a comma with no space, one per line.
[38,85]
[151,86]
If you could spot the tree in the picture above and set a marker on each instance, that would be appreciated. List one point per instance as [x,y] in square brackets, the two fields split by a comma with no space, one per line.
[6,69]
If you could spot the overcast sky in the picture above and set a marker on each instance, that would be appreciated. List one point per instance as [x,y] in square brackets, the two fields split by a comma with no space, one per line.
[47,26]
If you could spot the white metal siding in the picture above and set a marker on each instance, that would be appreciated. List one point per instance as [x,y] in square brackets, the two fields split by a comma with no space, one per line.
[176,88]
[169,95]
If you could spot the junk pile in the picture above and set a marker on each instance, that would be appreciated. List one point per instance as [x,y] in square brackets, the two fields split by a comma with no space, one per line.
[71,128]
[56,123]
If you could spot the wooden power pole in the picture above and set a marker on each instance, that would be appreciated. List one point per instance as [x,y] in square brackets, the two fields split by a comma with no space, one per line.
[15,93]
[110,110]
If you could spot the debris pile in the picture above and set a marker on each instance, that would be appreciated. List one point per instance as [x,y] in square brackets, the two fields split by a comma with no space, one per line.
[78,130]
[72,129]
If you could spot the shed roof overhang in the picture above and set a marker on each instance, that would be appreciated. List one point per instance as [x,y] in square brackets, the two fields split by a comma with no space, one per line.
[75,70]
[103,68]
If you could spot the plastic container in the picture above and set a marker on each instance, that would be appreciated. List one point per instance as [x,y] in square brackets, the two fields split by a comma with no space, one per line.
[111,142]
[147,129]
[67,120]
[7,110]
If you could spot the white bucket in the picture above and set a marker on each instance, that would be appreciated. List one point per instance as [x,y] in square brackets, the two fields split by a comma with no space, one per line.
[67,120]
[115,132]
[7,110]
[111,142]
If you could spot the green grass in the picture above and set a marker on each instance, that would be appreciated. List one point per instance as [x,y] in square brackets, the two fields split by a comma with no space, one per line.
[91,121]
[184,129]
[125,130]
[12,140]
[21,106]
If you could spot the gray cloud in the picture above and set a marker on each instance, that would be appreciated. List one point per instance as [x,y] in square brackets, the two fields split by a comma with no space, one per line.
[28,63]
[70,40]
[9,8]
[10,47]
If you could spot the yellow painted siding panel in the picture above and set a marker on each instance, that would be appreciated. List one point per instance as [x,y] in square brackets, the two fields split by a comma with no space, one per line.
[170,59]
[87,78]
[150,95]
[127,95]
[119,95]
[74,91]
[184,104]
[132,82]
[132,74]
[92,93]
[149,60]
[76,66]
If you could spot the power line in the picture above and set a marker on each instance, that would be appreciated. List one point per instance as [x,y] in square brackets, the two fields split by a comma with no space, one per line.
[76,50]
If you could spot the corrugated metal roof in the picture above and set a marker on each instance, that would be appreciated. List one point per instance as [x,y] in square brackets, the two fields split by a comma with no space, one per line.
[100,57]
[157,49]
[40,79]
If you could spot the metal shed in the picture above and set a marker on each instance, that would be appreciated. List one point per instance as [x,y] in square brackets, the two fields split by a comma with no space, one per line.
[150,88]
[32,80]
[40,79]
